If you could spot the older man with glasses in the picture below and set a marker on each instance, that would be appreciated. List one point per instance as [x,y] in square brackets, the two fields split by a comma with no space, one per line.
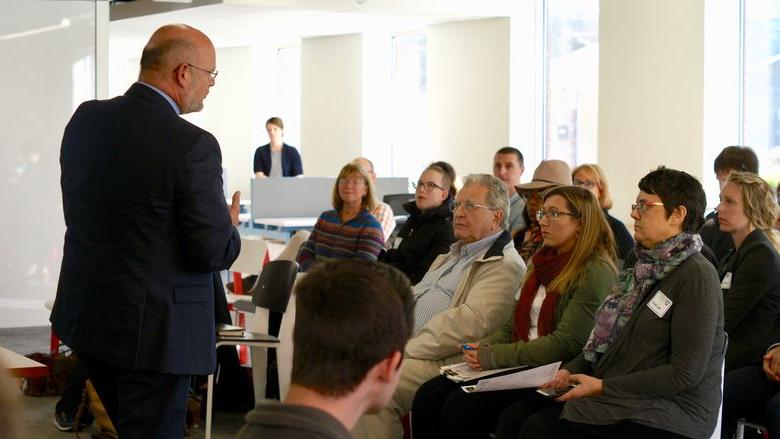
[464,296]
[147,227]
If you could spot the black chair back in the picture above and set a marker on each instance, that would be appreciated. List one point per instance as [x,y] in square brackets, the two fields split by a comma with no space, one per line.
[275,285]
[397,201]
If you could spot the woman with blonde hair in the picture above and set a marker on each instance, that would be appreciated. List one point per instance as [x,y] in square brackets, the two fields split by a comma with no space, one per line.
[750,275]
[568,278]
[349,230]
[750,280]
[592,177]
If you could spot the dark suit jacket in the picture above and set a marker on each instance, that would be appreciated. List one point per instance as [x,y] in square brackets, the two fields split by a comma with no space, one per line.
[147,226]
[752,303]
[291,160]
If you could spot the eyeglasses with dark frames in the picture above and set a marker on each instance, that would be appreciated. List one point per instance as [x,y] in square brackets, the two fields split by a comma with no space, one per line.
[427,186]
[212,73]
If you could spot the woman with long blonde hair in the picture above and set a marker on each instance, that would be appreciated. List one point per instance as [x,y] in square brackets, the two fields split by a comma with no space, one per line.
[567,280]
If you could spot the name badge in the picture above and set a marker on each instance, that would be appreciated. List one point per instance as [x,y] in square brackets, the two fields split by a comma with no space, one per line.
[660,304]
[726,282]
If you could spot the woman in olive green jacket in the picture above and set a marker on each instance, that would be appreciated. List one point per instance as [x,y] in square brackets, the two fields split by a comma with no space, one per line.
[566,282]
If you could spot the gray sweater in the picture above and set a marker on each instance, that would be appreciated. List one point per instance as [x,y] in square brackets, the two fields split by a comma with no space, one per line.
[272,419]
[663,372]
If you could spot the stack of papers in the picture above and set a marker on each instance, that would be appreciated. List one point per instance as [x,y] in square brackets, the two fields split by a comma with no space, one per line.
[521,380]
[461,372]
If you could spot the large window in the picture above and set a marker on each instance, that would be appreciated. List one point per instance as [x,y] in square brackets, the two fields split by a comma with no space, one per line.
[761,84]
[572,57]
[49,50]
[410,105]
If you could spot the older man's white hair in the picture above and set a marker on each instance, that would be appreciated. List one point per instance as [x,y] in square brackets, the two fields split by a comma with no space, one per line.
[497,196]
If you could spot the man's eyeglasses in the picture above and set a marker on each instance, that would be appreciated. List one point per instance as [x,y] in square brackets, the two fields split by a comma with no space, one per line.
[642,205]
[427,186]
[553,214]
[469,206]
[213,73]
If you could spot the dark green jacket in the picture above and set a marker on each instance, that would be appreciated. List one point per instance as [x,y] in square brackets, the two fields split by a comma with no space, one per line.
[573,323]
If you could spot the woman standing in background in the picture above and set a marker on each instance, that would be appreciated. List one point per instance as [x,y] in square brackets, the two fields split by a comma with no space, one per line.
[276,158]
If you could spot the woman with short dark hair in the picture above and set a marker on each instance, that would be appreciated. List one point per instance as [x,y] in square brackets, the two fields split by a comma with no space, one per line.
[652,364]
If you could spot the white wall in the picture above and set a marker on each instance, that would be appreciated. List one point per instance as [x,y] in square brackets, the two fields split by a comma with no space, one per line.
[651,85]
[468,92]
[331,102]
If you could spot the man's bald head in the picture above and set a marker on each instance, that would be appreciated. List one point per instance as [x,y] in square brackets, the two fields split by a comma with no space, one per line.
[177,60]
[171,45]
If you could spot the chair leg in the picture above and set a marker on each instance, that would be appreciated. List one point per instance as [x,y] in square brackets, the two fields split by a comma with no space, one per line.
[209,402]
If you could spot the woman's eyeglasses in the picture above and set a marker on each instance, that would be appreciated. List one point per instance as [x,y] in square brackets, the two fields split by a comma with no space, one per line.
[553,214]
[642,205]
[427,186]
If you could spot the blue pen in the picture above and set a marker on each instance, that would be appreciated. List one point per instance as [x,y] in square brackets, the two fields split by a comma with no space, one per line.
[469,347]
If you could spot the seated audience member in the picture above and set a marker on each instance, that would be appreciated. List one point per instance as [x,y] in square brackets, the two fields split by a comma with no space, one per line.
[427,232]
[592,178]
[276,158]
[381,211]
[753,392]
[750,275]
[353,320]
[348,231]
[652,364]
[465,295]
[548,174]
[567,280]
[732,158]
[508,166]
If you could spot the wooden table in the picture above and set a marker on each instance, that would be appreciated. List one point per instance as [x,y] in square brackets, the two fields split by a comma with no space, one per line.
[21,366]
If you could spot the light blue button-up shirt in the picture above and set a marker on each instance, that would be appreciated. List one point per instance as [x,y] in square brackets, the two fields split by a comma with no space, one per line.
[162,93]
[434,292]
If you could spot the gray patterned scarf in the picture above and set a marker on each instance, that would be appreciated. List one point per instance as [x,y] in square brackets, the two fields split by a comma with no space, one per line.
[631,287]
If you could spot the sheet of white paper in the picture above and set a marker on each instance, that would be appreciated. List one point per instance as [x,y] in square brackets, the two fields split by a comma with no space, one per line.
[520,380]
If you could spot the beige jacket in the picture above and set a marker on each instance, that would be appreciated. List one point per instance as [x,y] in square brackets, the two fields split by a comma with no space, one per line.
[482,302]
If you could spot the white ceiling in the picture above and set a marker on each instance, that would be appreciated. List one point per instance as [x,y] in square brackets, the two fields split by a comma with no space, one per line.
[284,22]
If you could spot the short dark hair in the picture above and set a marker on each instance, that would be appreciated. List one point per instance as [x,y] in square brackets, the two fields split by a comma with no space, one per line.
[275,121]
[350,315]
[448,172]
[737,158]
[512,150]
[677,188]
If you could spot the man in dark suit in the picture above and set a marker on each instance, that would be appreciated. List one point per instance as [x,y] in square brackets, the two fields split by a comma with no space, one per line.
[147,225]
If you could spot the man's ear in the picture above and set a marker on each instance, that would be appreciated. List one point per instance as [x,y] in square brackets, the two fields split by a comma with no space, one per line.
[388,367]
[181,75]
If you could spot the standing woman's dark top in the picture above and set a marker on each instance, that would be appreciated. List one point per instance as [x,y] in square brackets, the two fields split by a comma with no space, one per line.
[276,158]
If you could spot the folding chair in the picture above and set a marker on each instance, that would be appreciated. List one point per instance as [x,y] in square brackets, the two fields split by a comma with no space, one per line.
[272,292]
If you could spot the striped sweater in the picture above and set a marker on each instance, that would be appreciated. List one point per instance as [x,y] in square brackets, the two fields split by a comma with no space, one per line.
[359,238]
